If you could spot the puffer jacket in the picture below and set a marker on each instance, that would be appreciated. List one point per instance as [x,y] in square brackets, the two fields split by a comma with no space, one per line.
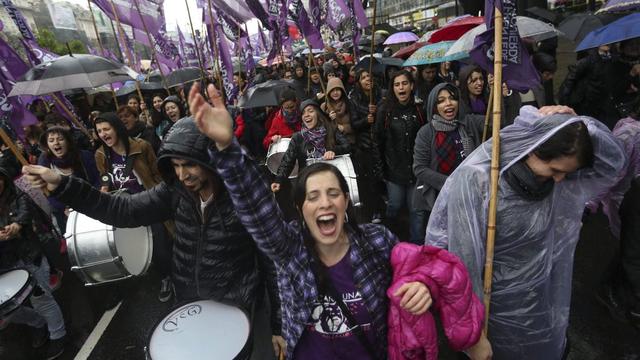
[213,255]
[394,134]
[358,111]
[298,150]
[460,311]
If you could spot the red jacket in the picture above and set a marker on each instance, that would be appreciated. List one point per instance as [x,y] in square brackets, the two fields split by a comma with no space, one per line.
[279,127]
[461,312]
[239,126]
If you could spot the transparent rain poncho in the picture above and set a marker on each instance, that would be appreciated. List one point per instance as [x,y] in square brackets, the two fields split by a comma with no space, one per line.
[535,240]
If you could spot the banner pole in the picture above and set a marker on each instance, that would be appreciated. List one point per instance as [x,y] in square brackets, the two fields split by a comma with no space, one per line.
[95,28]
[195,40]
[214,39]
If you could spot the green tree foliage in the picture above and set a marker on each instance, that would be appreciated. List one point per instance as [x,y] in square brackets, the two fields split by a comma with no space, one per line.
[47,40]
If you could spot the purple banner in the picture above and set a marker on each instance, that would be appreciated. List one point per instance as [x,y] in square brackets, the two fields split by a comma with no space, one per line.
[361,16]
[226,65]
[337,12]
[259,11]
[19,20]
[128,14]
[355,31]
[188,50]
[517,68]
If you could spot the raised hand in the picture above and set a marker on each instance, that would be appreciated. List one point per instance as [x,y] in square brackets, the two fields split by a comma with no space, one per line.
[213,121]
[40,177]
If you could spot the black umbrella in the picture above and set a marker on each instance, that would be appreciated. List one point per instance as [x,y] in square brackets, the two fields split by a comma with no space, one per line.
[577,26]
[130,88]
[366,40]
[377,68]
[183,76]
[153,76]
[71,72]
[268,93]
[544,14]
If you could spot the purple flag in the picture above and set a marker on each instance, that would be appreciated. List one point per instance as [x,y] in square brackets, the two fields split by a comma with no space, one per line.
[337,12]
[361,16]
[128,14]
[263,40]
[259,11]
[355,31]
[517,68]
[310,32]
[226,65]
[189,55]
[19,20]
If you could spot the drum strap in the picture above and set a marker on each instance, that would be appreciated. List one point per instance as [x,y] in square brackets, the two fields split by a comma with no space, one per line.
[351,319]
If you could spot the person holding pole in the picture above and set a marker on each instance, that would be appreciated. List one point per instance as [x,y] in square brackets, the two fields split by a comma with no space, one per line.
[551,163]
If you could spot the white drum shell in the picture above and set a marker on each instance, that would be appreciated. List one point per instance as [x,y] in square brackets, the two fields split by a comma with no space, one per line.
[101,253]
[200,330]
[275,155]
[345,165]
[15,287]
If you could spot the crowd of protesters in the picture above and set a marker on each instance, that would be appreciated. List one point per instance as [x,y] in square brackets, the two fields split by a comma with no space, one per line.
[335,275]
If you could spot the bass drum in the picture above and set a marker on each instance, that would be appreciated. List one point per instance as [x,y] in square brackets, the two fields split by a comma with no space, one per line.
[101,253]
[15,287]
[275,155]
[200,330]
[345,165]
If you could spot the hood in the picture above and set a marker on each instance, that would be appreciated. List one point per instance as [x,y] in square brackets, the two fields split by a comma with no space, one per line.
[433,97]
[183,141]
[174,99]
[335,82]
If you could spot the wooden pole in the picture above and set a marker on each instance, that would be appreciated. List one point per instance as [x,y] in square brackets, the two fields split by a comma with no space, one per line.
[214,40]
[238,54]
[485,131]
[153,48]
[195,40]
[95,28]
[495,166]
[308,73]
[72,116]
[115,38]
[12,146]
[373,44]
[315,66]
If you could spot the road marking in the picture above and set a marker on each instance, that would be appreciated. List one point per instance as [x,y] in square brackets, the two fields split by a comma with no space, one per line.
[97,332]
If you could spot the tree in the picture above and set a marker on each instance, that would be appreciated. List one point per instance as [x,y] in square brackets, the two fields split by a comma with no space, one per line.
[47,40]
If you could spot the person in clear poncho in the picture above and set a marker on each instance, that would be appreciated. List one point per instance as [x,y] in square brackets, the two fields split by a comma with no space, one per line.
[540,204]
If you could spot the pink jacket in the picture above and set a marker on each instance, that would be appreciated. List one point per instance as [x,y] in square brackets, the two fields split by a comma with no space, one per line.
[460,310]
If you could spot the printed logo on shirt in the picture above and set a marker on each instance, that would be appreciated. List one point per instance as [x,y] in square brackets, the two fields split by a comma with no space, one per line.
[327,317]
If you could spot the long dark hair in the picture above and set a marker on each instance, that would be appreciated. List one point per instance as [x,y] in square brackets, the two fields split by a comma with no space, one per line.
[570,140]
[465,74]
[324,120]
[72,148]
[299,197]
[392,100]
[117,125]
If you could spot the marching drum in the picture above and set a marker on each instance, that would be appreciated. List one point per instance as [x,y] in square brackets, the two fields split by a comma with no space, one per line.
[15,287]
[275,155]
[101,253]
[200,330]
[344,164]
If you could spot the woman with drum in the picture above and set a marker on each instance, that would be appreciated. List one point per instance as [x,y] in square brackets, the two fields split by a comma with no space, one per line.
[397,124]
[128,166]
[61,155]
[322,256]
[286,120]
[317,140]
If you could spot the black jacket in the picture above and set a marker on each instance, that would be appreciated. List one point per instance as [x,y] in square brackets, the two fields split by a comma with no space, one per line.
[213,255]
[298,150]
[142,131]
[395,133]
[358,111]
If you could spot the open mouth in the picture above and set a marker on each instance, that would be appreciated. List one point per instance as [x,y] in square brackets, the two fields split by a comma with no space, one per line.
[449,112]
[327,224]
[107,139]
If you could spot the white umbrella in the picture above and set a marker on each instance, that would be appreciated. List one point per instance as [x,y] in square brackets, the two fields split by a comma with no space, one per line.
[527,28]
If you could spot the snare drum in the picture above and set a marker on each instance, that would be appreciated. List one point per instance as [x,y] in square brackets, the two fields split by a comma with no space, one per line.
[344,164]
[275,155]
[15,287]
[101,253]
[200,330]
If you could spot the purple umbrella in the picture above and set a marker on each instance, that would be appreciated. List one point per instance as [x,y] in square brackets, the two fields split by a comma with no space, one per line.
[401,37]
[620,5]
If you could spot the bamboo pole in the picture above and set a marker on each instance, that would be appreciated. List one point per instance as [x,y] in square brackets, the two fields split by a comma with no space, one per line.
[238,54]
[12,146]
[214,40]
[485,130]
[373,44]
[115,38]
[495,166]
[195,40]
[95,28]
[153,48]
[308,73]
[315,66]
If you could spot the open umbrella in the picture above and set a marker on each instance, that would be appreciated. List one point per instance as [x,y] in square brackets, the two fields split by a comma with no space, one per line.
[455,29]
[268,93]
[424,38]
[544,14]
[71,72]
[619,30]
[401,37]
[577,26]
[407,51]
[130,87]
[431,54]
[183,76]
[620,5]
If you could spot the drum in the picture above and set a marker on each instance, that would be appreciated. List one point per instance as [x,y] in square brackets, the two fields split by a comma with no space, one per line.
[275,155]
[15,287]
[345,165]
[200,330]
[101,253]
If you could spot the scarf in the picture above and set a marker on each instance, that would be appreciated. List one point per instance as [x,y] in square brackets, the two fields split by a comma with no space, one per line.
[65,162]
[440,124]
[524,182]
[290,118]
[315,137]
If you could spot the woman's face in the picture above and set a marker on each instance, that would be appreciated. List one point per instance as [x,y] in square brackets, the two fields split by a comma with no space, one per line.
[556,169]
[315,78]
[365,81]
[172,110]
[107,133]
[447,105]
[57,144]
[310,117]
[335,94]
[128,119]
[157,103]
[402,88]
[299,72]
[428,74]
[475,83]
[133,103]
[324,208]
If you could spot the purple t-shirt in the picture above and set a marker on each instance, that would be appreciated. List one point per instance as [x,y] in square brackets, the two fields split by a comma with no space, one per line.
[118,178]
[328,334]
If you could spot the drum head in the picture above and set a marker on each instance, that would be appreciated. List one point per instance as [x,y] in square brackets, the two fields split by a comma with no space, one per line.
[11,283]
[134,245]
[200,330]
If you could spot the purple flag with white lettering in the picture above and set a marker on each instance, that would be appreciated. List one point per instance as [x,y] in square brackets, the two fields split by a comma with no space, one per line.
[517,68]
[358,9]
[19,20]
[337,11]
[296,14]
[128,14]
[259,11]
